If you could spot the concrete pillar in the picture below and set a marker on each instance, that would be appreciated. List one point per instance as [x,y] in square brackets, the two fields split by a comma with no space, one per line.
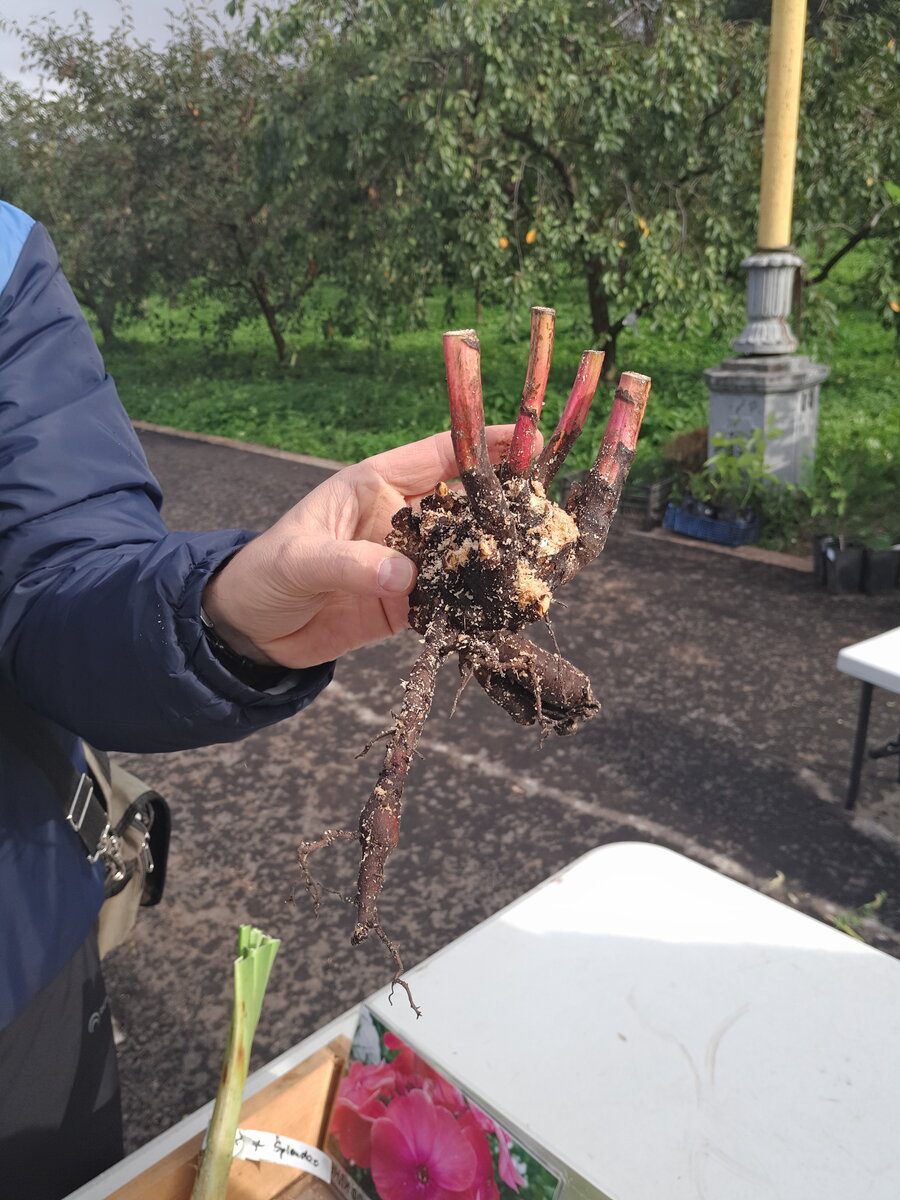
[778,391]
[769,386]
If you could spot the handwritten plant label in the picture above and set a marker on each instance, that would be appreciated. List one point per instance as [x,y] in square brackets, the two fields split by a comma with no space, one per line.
[257,1146]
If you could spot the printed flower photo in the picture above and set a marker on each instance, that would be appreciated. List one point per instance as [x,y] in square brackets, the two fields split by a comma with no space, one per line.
[403,1132]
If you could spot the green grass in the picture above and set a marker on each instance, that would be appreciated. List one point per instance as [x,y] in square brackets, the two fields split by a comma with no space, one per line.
[343,400]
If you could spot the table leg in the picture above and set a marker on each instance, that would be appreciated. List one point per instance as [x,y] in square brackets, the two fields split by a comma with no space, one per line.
[859,745]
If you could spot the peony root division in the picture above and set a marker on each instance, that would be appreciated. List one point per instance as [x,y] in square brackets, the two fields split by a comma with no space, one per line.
[489,561]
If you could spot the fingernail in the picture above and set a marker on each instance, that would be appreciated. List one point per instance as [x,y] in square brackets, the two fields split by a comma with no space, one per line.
[395,575]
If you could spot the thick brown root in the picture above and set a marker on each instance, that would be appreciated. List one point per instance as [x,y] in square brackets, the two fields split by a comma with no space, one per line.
[532,684]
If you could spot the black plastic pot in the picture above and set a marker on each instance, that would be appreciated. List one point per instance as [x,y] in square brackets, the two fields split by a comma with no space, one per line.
[698,508]
[843,569]
[879,571]
[728,512]
[820,547]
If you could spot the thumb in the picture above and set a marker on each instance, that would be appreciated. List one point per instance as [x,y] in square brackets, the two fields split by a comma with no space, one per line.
[361,568]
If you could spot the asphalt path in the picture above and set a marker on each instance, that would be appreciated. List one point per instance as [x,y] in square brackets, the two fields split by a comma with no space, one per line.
[724,734]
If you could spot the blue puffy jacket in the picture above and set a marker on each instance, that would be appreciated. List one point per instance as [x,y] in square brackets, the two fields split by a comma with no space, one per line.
[99,606]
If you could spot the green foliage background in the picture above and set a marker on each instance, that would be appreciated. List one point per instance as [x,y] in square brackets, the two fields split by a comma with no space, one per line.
[339,182]
[343,399]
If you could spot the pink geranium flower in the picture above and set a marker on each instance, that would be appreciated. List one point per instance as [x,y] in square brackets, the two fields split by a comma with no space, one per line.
[446,1095]
[508,1170]
[361,1100]
[419,1152]
[484,1186]
[414,1072]
[410,1069]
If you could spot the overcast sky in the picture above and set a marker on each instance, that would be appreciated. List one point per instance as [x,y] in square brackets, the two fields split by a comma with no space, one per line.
[150,19]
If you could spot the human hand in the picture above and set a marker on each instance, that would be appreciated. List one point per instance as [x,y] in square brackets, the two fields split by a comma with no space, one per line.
[320,582]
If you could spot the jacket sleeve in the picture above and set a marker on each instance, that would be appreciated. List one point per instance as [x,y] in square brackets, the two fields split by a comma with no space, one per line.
[99,602]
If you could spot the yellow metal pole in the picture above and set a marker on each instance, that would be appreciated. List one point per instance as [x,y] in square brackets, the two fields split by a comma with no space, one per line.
[776,188]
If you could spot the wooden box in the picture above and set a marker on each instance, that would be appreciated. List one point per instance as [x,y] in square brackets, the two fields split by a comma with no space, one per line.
[298,1105]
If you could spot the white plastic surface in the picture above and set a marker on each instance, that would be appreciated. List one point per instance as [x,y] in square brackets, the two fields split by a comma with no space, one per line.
[667,1033]
[876,660]
[673,1035]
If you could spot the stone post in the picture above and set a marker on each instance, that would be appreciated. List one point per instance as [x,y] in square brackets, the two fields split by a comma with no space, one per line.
[767,386]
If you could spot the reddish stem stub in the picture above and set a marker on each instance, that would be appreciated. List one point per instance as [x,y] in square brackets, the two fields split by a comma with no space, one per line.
[462,356]
[521,449]
[573,418]
[624,424]
[594,504]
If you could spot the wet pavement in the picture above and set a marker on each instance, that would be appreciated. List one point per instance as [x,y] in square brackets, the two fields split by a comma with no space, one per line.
[725,734]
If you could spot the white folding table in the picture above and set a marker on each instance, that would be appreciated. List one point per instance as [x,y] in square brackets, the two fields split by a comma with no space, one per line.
[876,663]
[658,1030]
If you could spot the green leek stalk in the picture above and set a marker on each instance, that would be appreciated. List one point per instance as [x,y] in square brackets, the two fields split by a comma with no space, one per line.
[256,953]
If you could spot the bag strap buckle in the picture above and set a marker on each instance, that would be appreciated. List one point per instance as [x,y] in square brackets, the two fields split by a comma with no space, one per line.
[137,819]
[88,817]
[109,850]
[101,842]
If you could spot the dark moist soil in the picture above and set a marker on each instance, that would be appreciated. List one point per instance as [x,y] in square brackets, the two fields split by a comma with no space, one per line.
[725,733]
[486,583]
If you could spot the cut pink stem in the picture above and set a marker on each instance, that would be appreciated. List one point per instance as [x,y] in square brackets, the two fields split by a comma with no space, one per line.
[622,428]
[596,501]
[572,420]
[462,355]
[521,449]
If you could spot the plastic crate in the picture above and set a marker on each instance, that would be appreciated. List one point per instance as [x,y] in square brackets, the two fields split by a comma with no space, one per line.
[726,533]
